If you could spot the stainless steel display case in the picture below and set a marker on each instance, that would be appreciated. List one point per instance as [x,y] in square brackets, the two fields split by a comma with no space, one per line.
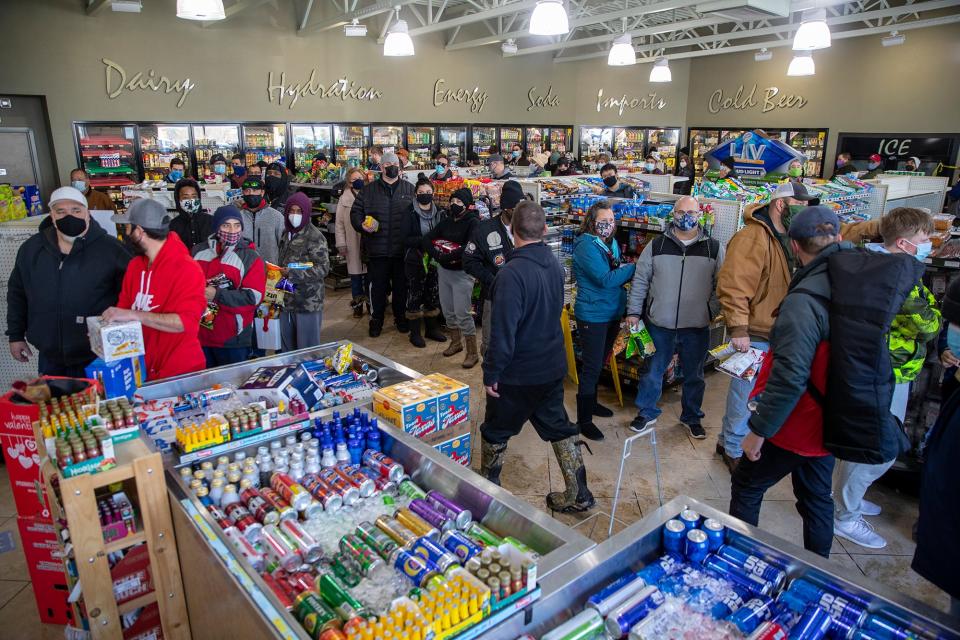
[244,603]
[566,590]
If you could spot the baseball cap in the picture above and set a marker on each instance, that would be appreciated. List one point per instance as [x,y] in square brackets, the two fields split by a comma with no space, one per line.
[805,224]
[389,158]
[875,157]
[494,157]
[67,193]
[795,190]
[145,213]
[253,182]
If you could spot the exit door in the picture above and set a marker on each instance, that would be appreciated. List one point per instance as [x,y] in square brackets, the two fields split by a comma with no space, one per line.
[19,163]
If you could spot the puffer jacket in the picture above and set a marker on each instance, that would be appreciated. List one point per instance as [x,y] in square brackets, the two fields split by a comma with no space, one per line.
[243,266]
[917,323]
[309,245]
[389,205]
[600,293]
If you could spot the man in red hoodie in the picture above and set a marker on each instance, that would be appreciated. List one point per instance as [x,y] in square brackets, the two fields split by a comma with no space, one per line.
[163,290]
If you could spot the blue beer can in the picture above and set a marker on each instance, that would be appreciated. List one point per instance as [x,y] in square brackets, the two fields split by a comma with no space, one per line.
[430,550]
[690,518]
[880,627]
[674,534]
[662,566]
[416,569]
[716,533]
[730,572]
[756,610]
[460,545]
[837,604]
[814,624]
[753,564]
[633,610]
[616,593]
[696,546]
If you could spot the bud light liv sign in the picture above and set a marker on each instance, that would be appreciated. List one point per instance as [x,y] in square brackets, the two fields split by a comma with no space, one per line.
[754,154]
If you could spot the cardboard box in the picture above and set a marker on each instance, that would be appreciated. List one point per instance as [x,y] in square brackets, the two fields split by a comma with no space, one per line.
[456,448]
[147,625]
[115,340]
[119,378]
[131,576]
[453,400]
[42,552]
[407,407]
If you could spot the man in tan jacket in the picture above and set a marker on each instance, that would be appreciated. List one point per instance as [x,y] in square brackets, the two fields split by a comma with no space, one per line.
[750,287]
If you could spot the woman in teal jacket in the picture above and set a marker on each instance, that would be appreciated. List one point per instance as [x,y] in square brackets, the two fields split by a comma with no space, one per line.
[601,300]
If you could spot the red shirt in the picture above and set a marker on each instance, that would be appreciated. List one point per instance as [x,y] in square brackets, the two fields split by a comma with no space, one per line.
[174,283]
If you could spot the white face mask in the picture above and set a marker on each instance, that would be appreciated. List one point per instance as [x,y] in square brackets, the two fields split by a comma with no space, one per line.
[296,219]
[683,165]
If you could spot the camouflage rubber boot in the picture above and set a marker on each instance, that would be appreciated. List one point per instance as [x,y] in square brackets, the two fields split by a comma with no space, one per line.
[576,497]
[491,460]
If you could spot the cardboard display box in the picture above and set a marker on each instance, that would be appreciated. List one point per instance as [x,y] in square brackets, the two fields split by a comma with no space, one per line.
[41,550]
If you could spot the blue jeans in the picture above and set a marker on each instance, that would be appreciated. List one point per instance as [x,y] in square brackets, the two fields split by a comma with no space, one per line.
[358,284]
[738,414]
[220,356]
[691,345]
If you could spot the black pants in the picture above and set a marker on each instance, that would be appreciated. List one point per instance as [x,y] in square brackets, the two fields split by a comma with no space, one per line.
[812,479]
[596,341]
[423,291]
[386,274]
[47,366]
[541,404]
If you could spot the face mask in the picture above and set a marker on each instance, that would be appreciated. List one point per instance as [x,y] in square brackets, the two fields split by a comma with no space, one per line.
[795,172]
[923,250]
[357,184]
[840,163]
[239,171]
[424,198]
[176,174]
[71,226]
[441,168]
[273,184]
[295,220]
[953,338]
[391,171]
[683,165]
[605,228]
[79,185]
[649,166]
[220,169]
[872,165]
[190,206]
[456,210]
[686,221]
[229,238]
[790,212]
[610,181]
[252,200]
[910,167]
[132,245]
[515,154]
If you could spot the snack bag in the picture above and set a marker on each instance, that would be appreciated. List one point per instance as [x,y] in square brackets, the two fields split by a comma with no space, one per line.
[342,358]
[639,342]
[206,320]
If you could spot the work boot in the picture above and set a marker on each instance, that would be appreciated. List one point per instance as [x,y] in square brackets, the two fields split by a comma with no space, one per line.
[585,406]
[402,325]
[456,346]
[601,411]
[415,338]
[576,497]
[376,327]
[491,460]
[357,305]
[472,357]
[432,329]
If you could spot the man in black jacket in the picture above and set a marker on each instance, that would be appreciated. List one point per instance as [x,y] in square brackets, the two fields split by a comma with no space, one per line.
[381,214]
[192,224]
[525,364]
[69,270]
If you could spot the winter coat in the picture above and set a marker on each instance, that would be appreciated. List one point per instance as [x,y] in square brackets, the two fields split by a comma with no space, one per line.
[487,250]
[413,256]
[455,230]
[264,227]
[686,186]
[625,191]
[389,205]
[347,236]
[308,245]
[844,170]
[174,283]
[49,295]
[233,324]
[99,201]
[193,228]
[526,340]
[600,293]
[674,284]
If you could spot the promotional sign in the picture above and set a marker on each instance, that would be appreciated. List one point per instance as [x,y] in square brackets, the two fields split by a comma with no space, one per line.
[754,154]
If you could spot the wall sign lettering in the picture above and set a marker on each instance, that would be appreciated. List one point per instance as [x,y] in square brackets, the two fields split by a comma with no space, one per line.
[117,83]
[474,98]
[771,99]
[545,101]
[650,102]
[343,88]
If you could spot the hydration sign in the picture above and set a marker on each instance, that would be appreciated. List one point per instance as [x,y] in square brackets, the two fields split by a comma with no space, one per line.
[754,154]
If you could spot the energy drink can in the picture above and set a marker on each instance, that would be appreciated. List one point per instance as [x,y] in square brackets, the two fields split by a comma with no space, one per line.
[483,535]
[244,521]
[357,478]
[308,546]
[756,610]
[716,533]
[314,614]
[290,490]
[417,569]
[460,545]
[376,539]
[769,631]
[634,609]
[347,492]
[616,593]
[584,626]
[383,464]
[259,507]
[324,494]
[399,533]
[753,564]
[279,549]
[416,524]
[427,548]
[696,546]
[336,594]
[410,489]
[674,536]
[245,548]
[748,581]
[690,518]
[273,498]
[365,557]
[461,516]
[813,624]
[432,516]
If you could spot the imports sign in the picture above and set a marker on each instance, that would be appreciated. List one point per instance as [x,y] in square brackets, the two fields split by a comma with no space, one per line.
[649,102]
[767,100]
[343,88]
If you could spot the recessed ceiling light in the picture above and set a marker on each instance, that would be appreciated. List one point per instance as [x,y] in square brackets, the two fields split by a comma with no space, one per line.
[893,39]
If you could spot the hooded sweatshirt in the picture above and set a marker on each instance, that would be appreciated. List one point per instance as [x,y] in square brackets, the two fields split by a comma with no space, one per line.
[172,284]
[265,228]
[193,228]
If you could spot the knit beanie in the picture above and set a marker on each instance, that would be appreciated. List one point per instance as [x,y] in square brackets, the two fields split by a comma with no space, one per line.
[224,213]
[464,195]
[511,195]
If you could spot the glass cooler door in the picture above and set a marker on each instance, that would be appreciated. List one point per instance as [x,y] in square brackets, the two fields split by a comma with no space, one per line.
[510,136]
[309,140]
[159,145]
[594,141]
[630,143]
[351,141]
[421,143]
[390,137]
[107,154]
[453,143]
[536,140]
[666,141]
[561,139]
[209,139]
[266,142]
[483,138]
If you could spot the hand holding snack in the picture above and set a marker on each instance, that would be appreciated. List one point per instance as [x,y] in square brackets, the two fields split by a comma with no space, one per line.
[370,224]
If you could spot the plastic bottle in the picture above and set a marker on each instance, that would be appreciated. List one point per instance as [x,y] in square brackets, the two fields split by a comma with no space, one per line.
[216,491]
[343,455]
[328,459]
[229,496]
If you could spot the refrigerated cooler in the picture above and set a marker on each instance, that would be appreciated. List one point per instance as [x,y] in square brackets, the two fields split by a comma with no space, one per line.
[159,145]
[107,153]
[264,142]
[482,138]
[630,144]
[421,143]
[594,141]
[510,136]
[210,139]
[390,137]
[810,142]
[351,142]
[536,140]
[453,143]
[667,142]
[309,140]
[561,140]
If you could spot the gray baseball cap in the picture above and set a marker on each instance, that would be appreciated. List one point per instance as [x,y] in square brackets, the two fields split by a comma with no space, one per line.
[494,157]
[145,213]
[389,158]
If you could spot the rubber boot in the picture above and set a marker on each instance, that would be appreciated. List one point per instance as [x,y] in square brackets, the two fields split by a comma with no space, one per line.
[432,329]
[415,338]
[585,406]
[472,357]
[576,497]
[491,460]
[357,305]
[456,346]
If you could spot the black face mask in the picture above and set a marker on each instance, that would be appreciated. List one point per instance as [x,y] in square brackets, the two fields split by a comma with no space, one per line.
[71,226]
[610,181]
[357,184]
[456,210]
[252,200]
[274,185]
[132,245]
[391,171]
[424,198]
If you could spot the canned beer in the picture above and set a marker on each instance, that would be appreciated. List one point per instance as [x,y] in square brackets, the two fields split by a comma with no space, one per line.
[417,569]
[243,521]
[365,557]
[273,498]
[690,518]
[696,546]
[716,533]
[245,548]
[753,564]
[433,517]
[290,490]
[460,545]
[347,492]
[634,609]
[325,495]
[376,539]
[410,489]
[756,610]
[383,464]
[357,478]
[585,625]
[308,546]
[280,549]
[259,507]
[416,524]
[399,533]
[616,593]
[752,583]
[813,624]
[427,548]
[460,516]
[674,536]
[769,631]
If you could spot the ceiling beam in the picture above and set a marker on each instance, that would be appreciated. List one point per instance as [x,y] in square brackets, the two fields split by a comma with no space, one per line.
[369,11]
[302,22]
[233,11]
[478,16]
[96,6]
[648,31]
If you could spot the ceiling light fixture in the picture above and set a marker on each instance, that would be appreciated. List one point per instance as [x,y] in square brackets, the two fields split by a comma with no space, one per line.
[549,18]
[622,53]
[398,42]
[126,6]
[509,47]
[895,38]
[200,10]
[661,71]
[763,55]
[355,29]
[802,65]
[813,33]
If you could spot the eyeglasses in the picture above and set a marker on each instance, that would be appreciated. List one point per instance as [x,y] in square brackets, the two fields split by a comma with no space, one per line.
[691,212]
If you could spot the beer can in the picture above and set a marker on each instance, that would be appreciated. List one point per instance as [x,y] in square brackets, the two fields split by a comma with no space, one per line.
[290,490]
[634,609]
[399,533]
[696,546]
[813,624]
[313,510]
[417,569]
[769,631]
[346,569]
[280,549]
[245,548]
[332,634]
[584,626]
[690,518]
[348,493]
[453,510]
[752,583]
[244,521]
[365,557]
[753,564]
[314,614]
[376,539]
[277,589]
[308,546]
[432,516]
[338,596]
[674,536]
[616,593]
[410,489]
[273,498]
[716,533]
[756,610]
[324,494]
[416,524]
[383,464]
[357,478]
[460,545]
[483,535]
[259,507]
[665,565]
[219,516]
[427,548]
[877,626]
[383,485]
[836,603]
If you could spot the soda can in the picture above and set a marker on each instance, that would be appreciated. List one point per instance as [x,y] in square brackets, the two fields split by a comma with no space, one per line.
[314,614]
[427,548]
[366,558]
[383,485]
[348,493]
[244,521]
[376,539]
[586,624]
[460,515]
[383,464]
[769,631]
[665,565]
[357,478]
[399,533]
[728,571]
[346,569]
[690,518]
[308,546]
[884,628]
[432,516]
[290,490]
[329,499]
[416,524]
[417,569]
[460,545]
[338,596]
[219,516]
[278,590]
[273,498]
[634,609]
[716,533]
[753,564]
[245,548]
[696,546]
[483,535]
[615,593]
[280,549]
[756,610]
[674,535]
[259,507]
[837,605]
[300,581]
[813,624]
[410,489]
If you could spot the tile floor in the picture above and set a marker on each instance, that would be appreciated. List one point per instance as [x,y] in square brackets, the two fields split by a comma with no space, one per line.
[688,466]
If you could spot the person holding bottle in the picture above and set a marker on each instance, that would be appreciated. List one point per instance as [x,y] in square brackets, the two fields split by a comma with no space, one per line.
[348,242]
[601,300]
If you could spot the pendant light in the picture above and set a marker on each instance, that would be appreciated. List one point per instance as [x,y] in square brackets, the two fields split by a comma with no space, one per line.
[813,33]
[200,9]
[622,53]
[549,18]
[802,65]
[661,71]
[398,42]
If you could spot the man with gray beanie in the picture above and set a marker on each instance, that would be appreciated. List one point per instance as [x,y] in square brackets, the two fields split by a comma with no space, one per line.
[162,290]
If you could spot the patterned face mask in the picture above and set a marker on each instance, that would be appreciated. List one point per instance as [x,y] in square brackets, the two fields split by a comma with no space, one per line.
[686,221]
[605,228]
[228,238]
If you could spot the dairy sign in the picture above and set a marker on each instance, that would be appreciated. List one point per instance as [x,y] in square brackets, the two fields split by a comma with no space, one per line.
[754,154]
[119,80]
[766,100]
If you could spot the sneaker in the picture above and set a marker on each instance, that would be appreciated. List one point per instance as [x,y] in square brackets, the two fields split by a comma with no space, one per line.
[859,532]
[640,423]
[696,431]
[868,508]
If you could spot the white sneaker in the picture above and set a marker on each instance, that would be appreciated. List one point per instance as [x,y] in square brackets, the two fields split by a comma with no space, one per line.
[859,532]
[868,508]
